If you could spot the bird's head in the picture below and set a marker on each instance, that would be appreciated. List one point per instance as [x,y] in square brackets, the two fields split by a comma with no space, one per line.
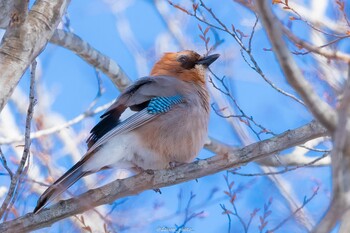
[186,65]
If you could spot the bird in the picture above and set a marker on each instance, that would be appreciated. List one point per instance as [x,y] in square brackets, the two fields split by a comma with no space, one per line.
[168,125]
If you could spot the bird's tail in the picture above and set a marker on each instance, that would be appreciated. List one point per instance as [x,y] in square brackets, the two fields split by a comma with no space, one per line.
[61,185]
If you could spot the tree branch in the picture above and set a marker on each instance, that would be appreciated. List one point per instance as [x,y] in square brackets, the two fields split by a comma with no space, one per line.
[6,7]
[16,177]
[327,53]
[340,166]
[162,178]
[320,109]
[74,43]
[325,23]
[345,224]
[19,12]
[22,43]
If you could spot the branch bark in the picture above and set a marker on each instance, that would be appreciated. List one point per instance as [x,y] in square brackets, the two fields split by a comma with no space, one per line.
[162,178]
[19,12]
[320,109]
[345,225]
[23,42]
[340,203]
[5,12]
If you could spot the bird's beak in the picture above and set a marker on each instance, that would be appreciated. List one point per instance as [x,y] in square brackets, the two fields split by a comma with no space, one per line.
[206,61]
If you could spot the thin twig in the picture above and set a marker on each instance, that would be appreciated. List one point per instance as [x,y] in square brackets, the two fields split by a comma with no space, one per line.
[16,193]
[286,169]
[329,54]
[305,202]
[236,37]
[27,142]
[252,33]
[311,25]
[188,216]
[243,117]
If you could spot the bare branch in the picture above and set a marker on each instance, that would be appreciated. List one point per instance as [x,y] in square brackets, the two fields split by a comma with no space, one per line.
[340,167]
[286,169]
[314,20]
[22,43]
[19,12]
[320,109]
[5,12]
[328,53]
[296,161]
[244,50]
[163,178]
[4,164]
[298,157]
[304,218]
[306,201]
[15,179]
[345,224]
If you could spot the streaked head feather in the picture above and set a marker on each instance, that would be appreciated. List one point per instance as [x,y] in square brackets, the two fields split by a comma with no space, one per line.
[182,65]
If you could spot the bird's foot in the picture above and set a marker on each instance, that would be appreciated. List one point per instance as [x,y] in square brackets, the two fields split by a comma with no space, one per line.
[138,170]
[174,164]
[157,191]
[149,171]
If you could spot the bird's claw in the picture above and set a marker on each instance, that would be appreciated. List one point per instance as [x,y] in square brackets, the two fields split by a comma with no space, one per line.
[149,171]
[174,164]
[157,191]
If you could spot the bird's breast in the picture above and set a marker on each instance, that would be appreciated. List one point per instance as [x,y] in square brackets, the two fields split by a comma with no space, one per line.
[176,136]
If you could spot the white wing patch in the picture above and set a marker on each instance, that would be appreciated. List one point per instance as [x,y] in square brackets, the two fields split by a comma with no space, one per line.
[129,124]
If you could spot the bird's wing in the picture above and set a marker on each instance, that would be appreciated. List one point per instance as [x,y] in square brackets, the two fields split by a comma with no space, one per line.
[137,98]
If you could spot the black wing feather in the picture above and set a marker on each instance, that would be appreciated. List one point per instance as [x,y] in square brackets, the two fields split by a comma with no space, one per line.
[111,118]
[101,128]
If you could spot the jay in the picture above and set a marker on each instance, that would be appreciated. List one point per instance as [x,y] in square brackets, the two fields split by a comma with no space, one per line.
[169,124]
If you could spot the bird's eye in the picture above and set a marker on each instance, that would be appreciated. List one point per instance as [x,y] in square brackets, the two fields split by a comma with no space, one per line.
[183,59]
[186,62]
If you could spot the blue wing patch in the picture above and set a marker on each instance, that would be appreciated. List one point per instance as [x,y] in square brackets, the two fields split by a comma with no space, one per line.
[163,104]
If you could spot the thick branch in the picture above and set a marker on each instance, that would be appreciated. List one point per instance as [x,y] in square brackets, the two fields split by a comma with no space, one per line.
[23,42]
[162,178]
[345,224]
[340,167]
[320,109]
[5,12]
[19,12]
